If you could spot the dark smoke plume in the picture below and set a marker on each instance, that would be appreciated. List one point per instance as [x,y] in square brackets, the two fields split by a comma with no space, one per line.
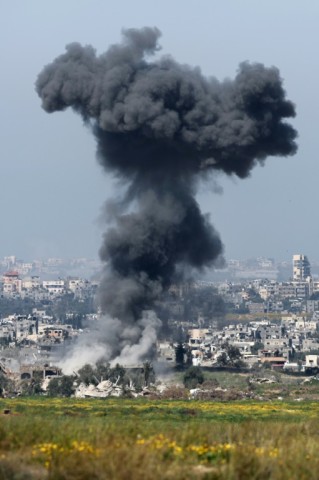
[160,127]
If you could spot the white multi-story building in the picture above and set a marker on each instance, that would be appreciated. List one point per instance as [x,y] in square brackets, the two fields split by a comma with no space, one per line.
[54,287]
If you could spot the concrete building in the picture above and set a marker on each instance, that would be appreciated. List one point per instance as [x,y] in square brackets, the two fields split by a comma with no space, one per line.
[11,283]
[54,287]
[301,268]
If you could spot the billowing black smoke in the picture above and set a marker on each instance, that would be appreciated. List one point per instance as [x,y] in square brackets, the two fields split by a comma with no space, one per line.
[160,127]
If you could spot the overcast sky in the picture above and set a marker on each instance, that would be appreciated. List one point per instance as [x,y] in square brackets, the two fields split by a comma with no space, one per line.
[52,188]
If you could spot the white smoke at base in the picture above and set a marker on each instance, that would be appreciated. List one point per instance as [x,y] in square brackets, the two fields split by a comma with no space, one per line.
[135,353]
[108,341]
[82,354]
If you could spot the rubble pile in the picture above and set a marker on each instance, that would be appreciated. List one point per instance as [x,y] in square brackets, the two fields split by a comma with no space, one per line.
[262,380]
[104,389]
[219,394]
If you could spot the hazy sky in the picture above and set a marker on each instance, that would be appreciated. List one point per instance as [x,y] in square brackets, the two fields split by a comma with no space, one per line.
[52,189]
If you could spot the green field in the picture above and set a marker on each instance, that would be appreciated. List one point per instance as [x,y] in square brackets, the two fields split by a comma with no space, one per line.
[157,439]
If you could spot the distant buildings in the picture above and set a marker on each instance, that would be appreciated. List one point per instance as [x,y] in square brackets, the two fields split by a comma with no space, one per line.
[301,268]
[33,288]
[11,283]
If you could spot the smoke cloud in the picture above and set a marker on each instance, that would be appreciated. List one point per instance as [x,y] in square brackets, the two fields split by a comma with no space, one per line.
[160,128]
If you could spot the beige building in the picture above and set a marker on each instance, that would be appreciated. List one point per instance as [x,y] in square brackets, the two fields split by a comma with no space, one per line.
[12,284]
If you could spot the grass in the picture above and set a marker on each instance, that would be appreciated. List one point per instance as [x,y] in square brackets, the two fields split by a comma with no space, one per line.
[119,439]
[286,386]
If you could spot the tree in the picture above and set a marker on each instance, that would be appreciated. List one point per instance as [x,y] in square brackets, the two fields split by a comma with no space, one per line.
[230,357]
[233,354]
[257,346]
[102,370]
[222,359]
[117,374]
[193,377]
[87,375]
[149,374]
[61,386]
[179,354]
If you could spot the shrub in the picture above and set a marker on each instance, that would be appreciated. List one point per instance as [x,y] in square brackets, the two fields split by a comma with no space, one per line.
[87,375]
[61,386]
[193,377]
[175,393]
